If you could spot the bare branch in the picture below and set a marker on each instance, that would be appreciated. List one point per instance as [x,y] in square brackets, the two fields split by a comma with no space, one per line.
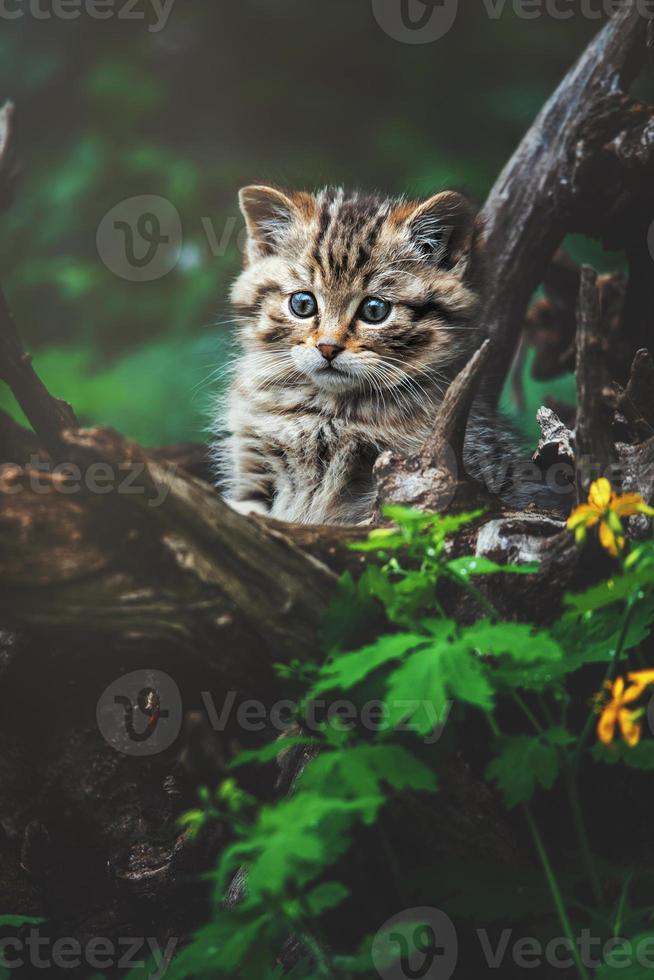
[594,442]
[47,415]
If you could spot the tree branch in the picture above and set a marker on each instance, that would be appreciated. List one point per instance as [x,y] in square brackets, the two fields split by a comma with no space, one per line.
[48,416]
[556,176]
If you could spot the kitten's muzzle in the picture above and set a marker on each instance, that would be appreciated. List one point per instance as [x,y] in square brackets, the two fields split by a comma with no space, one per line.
[330,351]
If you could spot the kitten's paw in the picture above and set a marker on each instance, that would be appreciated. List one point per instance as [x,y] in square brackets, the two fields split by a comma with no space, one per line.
[247,507]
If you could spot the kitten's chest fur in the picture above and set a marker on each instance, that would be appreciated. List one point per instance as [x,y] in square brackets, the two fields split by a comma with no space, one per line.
[321,452]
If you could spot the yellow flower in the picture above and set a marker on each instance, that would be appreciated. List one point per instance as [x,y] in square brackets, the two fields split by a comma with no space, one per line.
[605,508]
[641,679]
[617,713]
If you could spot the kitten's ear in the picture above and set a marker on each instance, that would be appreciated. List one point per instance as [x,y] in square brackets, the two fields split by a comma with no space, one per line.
[269,213]
[444,229]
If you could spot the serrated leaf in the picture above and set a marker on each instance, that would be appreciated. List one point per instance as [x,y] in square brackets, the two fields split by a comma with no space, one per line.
[292,842]
[361,773]
[430,676]
[346,670]
[523,763]
[593,637]
[521,642]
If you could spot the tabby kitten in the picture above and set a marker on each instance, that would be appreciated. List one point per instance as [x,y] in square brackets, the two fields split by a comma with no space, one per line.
[355,313]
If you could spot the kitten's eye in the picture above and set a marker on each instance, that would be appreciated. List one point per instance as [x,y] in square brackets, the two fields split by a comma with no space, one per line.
[304,305]
[374,310]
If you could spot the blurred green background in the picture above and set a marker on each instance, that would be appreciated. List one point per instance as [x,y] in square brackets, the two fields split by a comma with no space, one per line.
[296,92]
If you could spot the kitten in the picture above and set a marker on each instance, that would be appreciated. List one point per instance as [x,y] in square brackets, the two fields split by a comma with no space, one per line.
[355,314]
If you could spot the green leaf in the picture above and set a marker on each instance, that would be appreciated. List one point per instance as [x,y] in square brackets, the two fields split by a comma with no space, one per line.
[413,526]
[472,565]
[639,756]
[354,606]
[16,921]
[523,763]
[616,589]
[380,540]
[361,773]
[624,962]
[346,670]
[235,942]
[537,677]
[292,842]
[326,896]
[593,637]
[419,689]
[413,595]
[451,523]
[519,641]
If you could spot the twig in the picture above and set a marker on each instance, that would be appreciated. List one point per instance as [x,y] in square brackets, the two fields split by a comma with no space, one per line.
[48,416]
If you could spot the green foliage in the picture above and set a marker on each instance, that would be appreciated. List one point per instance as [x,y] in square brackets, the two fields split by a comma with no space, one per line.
[16,921]
[622,959]
[429,675]
[136,393]
[527,761]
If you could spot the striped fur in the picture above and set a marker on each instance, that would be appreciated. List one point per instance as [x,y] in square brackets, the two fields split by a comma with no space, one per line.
[304,432]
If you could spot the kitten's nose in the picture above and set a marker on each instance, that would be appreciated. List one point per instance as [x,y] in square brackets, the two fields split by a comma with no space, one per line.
[329,351]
